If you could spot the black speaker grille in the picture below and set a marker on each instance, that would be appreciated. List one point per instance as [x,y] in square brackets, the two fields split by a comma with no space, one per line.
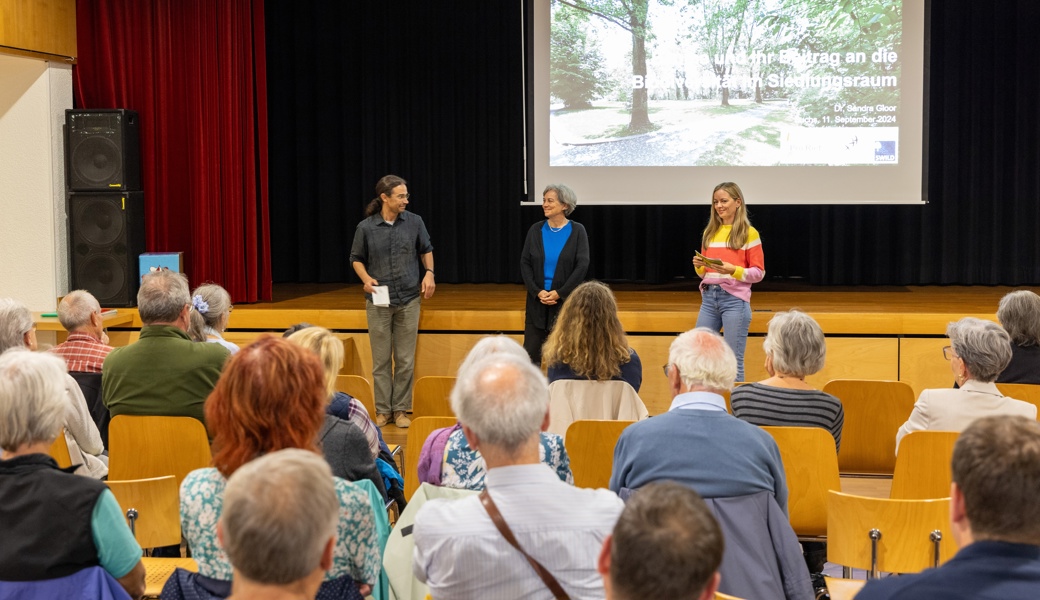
[96,160]
[106,235]
[99,220]
[104,275]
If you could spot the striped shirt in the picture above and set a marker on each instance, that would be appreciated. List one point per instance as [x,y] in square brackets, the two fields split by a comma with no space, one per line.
[760,404]
[82,353]
[749,260]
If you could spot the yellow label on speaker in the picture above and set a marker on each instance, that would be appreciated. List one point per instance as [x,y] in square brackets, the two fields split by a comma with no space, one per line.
[115,185]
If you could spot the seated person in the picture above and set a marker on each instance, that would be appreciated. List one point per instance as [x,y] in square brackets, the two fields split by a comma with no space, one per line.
[163,373]
[86,449]
[502,402]
[1019,315]
[279,525]
[329,349]
[447,458]
[588,341]
[87,345]
[995,519]
[721,456]
[209,319]
[795,348]
[978,352]
[272,396]
[666,544]
[54,524]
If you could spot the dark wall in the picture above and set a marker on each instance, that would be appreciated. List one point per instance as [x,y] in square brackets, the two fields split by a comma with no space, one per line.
[358,90]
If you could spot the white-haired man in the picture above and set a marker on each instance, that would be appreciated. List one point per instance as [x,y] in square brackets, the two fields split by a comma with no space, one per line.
[279,525]
[87,345]
[697,443]
[502,402]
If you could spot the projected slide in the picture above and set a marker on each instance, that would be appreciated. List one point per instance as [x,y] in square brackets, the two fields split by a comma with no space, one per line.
[727,83]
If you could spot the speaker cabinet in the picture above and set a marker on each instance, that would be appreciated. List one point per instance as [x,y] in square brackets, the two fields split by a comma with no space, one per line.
[106,235]
[102,150]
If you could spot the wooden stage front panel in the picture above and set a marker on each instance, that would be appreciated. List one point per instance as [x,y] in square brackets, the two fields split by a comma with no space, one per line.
[872,333]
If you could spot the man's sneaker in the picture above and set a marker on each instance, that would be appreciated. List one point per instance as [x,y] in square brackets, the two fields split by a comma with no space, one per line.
[382,419]
[401,419]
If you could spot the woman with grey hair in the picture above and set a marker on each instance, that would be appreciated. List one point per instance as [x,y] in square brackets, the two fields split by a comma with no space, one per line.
[1019,314]
[795,348]
[210,312]
[555,259]
[55,524]
[978,352]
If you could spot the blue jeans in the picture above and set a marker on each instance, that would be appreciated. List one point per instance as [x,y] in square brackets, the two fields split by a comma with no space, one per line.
[720,310]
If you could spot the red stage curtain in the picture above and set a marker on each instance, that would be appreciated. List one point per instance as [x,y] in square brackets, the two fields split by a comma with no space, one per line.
[195,71]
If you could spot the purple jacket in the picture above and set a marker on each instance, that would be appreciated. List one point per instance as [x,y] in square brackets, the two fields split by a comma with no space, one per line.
[432,455]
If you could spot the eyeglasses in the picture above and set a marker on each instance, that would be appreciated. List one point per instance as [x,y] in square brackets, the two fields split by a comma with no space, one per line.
[948,353]
[402,196]
[666,368]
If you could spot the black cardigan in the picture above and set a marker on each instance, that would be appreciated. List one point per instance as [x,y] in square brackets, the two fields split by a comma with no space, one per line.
[571,269]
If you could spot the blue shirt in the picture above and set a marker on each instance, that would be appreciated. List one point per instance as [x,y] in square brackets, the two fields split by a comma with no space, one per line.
[552,242]
[390,253]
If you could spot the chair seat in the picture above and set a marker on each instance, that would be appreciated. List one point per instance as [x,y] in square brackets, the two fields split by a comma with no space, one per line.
[158,570]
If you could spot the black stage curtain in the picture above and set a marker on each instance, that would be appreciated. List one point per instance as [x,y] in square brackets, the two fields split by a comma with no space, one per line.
[433,92]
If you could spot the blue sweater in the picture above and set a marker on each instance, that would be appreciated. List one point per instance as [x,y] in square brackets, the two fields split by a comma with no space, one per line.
[713,452]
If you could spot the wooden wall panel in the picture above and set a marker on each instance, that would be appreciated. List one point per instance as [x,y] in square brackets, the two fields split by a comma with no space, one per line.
[921,363]
[43,26]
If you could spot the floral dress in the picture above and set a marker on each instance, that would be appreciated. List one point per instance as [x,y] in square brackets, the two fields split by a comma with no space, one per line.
[465,468]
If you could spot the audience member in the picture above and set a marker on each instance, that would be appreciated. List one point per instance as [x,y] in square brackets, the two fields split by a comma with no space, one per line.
[164,373]
[87,345]
[1019,314]
[978,352]
[270,397]
[17,331]
[995,519]
[211,312]
[295,328]
[795,348]
[54,524]
[588,341]
[721,455]
[279,526]
[447,458]
[329,349]
[502,402]
[666,544]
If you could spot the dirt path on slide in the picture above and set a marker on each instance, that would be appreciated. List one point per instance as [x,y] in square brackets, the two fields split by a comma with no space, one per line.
[673,145]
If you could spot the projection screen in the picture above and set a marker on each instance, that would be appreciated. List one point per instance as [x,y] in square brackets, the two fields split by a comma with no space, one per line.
[798,101]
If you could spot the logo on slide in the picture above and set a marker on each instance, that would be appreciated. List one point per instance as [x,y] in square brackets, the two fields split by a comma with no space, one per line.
[885,151]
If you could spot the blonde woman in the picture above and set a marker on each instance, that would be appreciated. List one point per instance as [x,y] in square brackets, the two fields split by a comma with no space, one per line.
[588,341]
[730,260]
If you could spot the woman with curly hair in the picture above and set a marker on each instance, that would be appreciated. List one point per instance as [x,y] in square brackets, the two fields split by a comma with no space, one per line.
[271,396]
[588,341]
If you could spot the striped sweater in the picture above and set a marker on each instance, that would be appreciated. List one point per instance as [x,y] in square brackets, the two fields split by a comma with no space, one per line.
[749,260]
[760,404]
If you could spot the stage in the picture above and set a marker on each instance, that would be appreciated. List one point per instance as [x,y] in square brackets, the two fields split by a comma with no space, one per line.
[872,332]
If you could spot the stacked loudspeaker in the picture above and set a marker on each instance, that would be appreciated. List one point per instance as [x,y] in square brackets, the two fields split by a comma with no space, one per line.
[105,203]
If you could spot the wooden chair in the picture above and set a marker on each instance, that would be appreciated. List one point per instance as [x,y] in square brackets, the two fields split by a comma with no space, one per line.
[421,429]
[843,589]
[911,535]
[153,512]
[60,451]
[573,400]
[874,410]
[360,388]
[923,465]
[143,447]
[811,468]
[1022,391]
[430,396]
[590,446]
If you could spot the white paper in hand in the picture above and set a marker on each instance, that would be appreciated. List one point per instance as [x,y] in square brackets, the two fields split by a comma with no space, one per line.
[381,295]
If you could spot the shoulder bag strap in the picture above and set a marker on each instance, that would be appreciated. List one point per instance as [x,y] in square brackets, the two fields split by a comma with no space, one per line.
[503,528]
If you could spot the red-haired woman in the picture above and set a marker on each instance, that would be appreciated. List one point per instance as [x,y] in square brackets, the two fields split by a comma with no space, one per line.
[271,396]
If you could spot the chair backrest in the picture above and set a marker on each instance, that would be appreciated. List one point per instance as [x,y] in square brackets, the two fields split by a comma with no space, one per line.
[60,451]
[143,447]
[906,526]
[430,396]
[811,468]
[90,385]
[157,505]
[923,465]
[1026,392]
[360,388]
[420,429]
[572,400]
[590,446]
[874,410]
